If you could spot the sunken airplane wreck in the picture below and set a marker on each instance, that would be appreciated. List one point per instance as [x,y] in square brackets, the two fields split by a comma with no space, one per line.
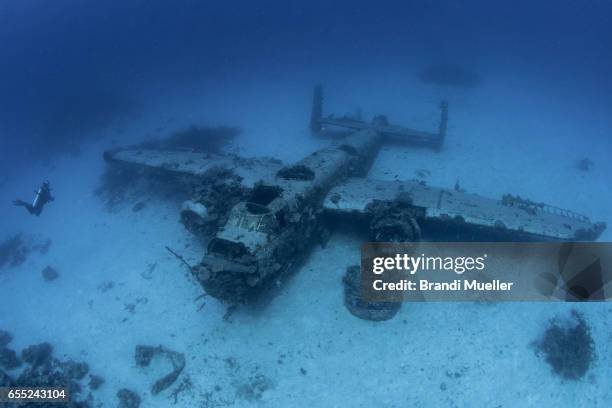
[263,216]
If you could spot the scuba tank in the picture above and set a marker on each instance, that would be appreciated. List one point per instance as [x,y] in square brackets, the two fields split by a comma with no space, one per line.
[42,196]
[38,196]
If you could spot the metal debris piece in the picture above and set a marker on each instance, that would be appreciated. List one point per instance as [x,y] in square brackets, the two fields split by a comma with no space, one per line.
[144,355]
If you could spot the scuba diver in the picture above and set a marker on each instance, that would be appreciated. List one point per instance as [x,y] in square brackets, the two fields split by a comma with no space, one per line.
[43,196]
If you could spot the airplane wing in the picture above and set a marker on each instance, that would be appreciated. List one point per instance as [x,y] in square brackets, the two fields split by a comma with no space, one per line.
[444,205]
[197,164]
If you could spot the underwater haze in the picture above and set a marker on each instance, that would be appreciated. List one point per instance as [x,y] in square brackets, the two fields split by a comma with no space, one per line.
[103,273]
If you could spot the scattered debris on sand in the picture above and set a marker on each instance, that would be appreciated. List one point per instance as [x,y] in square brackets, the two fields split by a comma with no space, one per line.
[148,272]
[144,355]
[254,387]
[131,307]
[450,75]
[128,398]
[106,286]
[50,274]
[183,387]
[43,370]
[585,164]
[209,400]
[567,345]
[359,307]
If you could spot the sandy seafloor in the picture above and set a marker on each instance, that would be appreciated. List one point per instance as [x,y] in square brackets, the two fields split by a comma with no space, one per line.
[305,343]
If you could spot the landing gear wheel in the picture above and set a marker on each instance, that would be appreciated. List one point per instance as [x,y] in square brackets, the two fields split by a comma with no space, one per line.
[358,306]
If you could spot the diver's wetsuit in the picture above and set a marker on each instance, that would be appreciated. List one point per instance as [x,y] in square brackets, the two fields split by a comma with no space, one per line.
[43,196]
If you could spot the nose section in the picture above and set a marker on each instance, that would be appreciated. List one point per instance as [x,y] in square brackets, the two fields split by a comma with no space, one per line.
[229,271]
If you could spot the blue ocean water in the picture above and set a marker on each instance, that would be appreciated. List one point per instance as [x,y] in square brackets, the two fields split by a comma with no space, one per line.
[530,93]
